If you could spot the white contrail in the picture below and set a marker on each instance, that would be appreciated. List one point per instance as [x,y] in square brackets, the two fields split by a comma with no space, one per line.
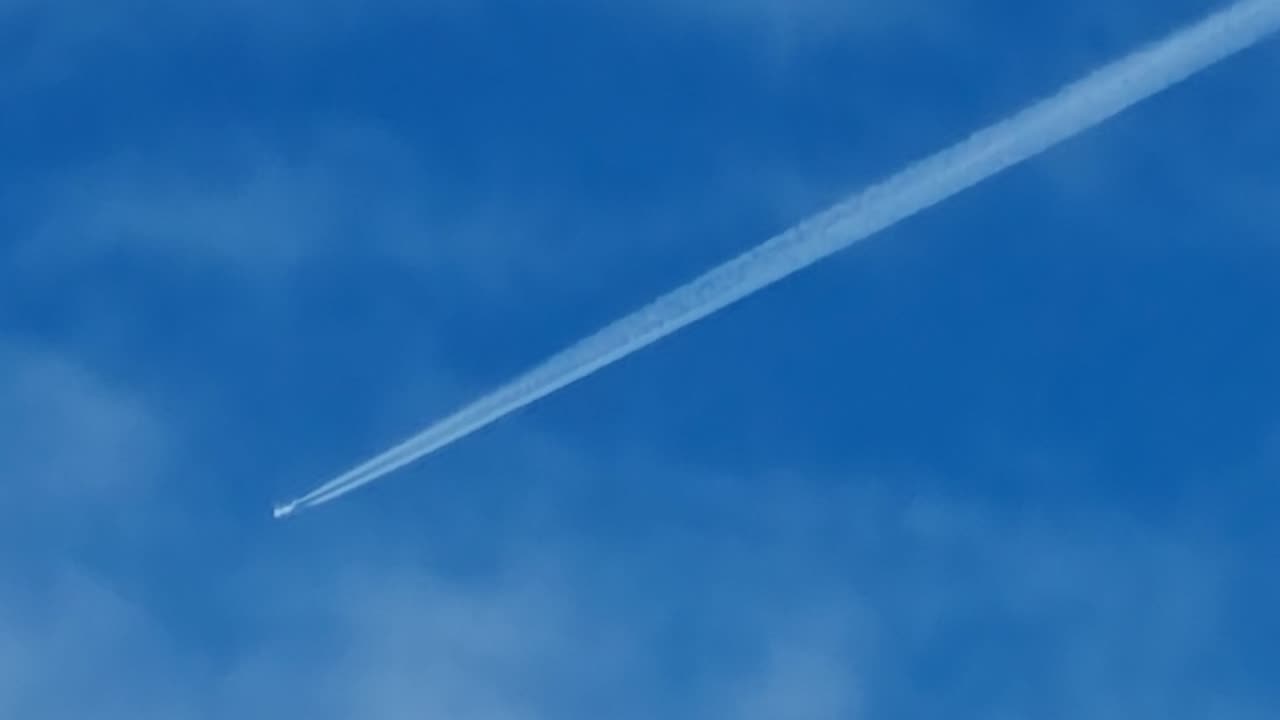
[1075,108]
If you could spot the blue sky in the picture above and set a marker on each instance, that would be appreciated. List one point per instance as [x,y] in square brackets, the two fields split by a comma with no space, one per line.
[1015,457]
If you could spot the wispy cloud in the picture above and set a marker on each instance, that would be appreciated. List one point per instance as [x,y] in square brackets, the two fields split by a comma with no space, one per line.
[339,199]
[51,404]
[260,211]
[750,594]
[861,600]
[75,647]
[782,28]
[62,38]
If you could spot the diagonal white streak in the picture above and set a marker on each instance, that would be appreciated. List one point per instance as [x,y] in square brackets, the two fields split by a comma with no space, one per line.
[1077,107]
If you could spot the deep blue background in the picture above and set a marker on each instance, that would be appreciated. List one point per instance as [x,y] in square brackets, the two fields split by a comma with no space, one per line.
[1015,455]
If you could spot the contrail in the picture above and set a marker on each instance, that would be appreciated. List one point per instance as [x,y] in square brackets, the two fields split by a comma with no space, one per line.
[1077,107]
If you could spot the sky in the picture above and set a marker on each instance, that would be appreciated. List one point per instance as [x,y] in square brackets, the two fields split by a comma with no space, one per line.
[1014,457]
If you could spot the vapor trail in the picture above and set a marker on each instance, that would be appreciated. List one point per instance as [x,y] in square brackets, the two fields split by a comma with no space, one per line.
[1075,108]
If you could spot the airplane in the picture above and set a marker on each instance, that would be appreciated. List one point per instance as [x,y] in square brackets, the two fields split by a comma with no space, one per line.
[285,510]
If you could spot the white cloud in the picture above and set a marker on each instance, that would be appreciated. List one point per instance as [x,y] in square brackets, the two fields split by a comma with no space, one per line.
[76,648]
[787,26]
[63,38]
[70,435]
[781,595]
[809,670]
[339,200]
[258,211]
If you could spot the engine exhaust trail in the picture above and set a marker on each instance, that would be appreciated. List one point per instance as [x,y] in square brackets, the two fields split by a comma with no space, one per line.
[1072,110]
